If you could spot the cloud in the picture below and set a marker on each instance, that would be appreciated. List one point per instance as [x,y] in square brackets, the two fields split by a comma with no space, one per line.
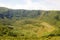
[32,4]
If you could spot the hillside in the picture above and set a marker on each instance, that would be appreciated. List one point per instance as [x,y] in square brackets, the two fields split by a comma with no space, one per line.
[23,24]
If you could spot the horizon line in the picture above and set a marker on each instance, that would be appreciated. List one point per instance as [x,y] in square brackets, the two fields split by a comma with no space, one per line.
[32,9]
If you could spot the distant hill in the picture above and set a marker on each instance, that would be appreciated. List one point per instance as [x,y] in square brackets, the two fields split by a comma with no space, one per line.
[19,13]
[52,17]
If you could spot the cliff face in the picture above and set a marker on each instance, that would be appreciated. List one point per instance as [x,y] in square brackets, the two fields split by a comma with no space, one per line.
[9,13]
[20,13]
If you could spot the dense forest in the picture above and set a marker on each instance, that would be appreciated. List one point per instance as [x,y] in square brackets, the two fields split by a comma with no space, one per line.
[20,24]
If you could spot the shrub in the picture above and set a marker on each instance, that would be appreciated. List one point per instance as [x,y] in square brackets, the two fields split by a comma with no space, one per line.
[12,34]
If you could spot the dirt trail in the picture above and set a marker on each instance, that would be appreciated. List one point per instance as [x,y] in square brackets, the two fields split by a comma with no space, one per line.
[48,27]
[45,29]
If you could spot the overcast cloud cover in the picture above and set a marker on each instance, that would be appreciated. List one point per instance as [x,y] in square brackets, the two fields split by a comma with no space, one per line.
[31,4]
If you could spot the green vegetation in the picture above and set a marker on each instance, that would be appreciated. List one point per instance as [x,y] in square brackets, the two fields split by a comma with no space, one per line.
[29,24]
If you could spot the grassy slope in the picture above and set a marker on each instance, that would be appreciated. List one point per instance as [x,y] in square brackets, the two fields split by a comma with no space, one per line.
[31,30]
[39,28]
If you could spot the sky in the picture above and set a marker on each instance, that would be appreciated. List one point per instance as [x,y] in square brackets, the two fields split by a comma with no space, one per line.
[31,4]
